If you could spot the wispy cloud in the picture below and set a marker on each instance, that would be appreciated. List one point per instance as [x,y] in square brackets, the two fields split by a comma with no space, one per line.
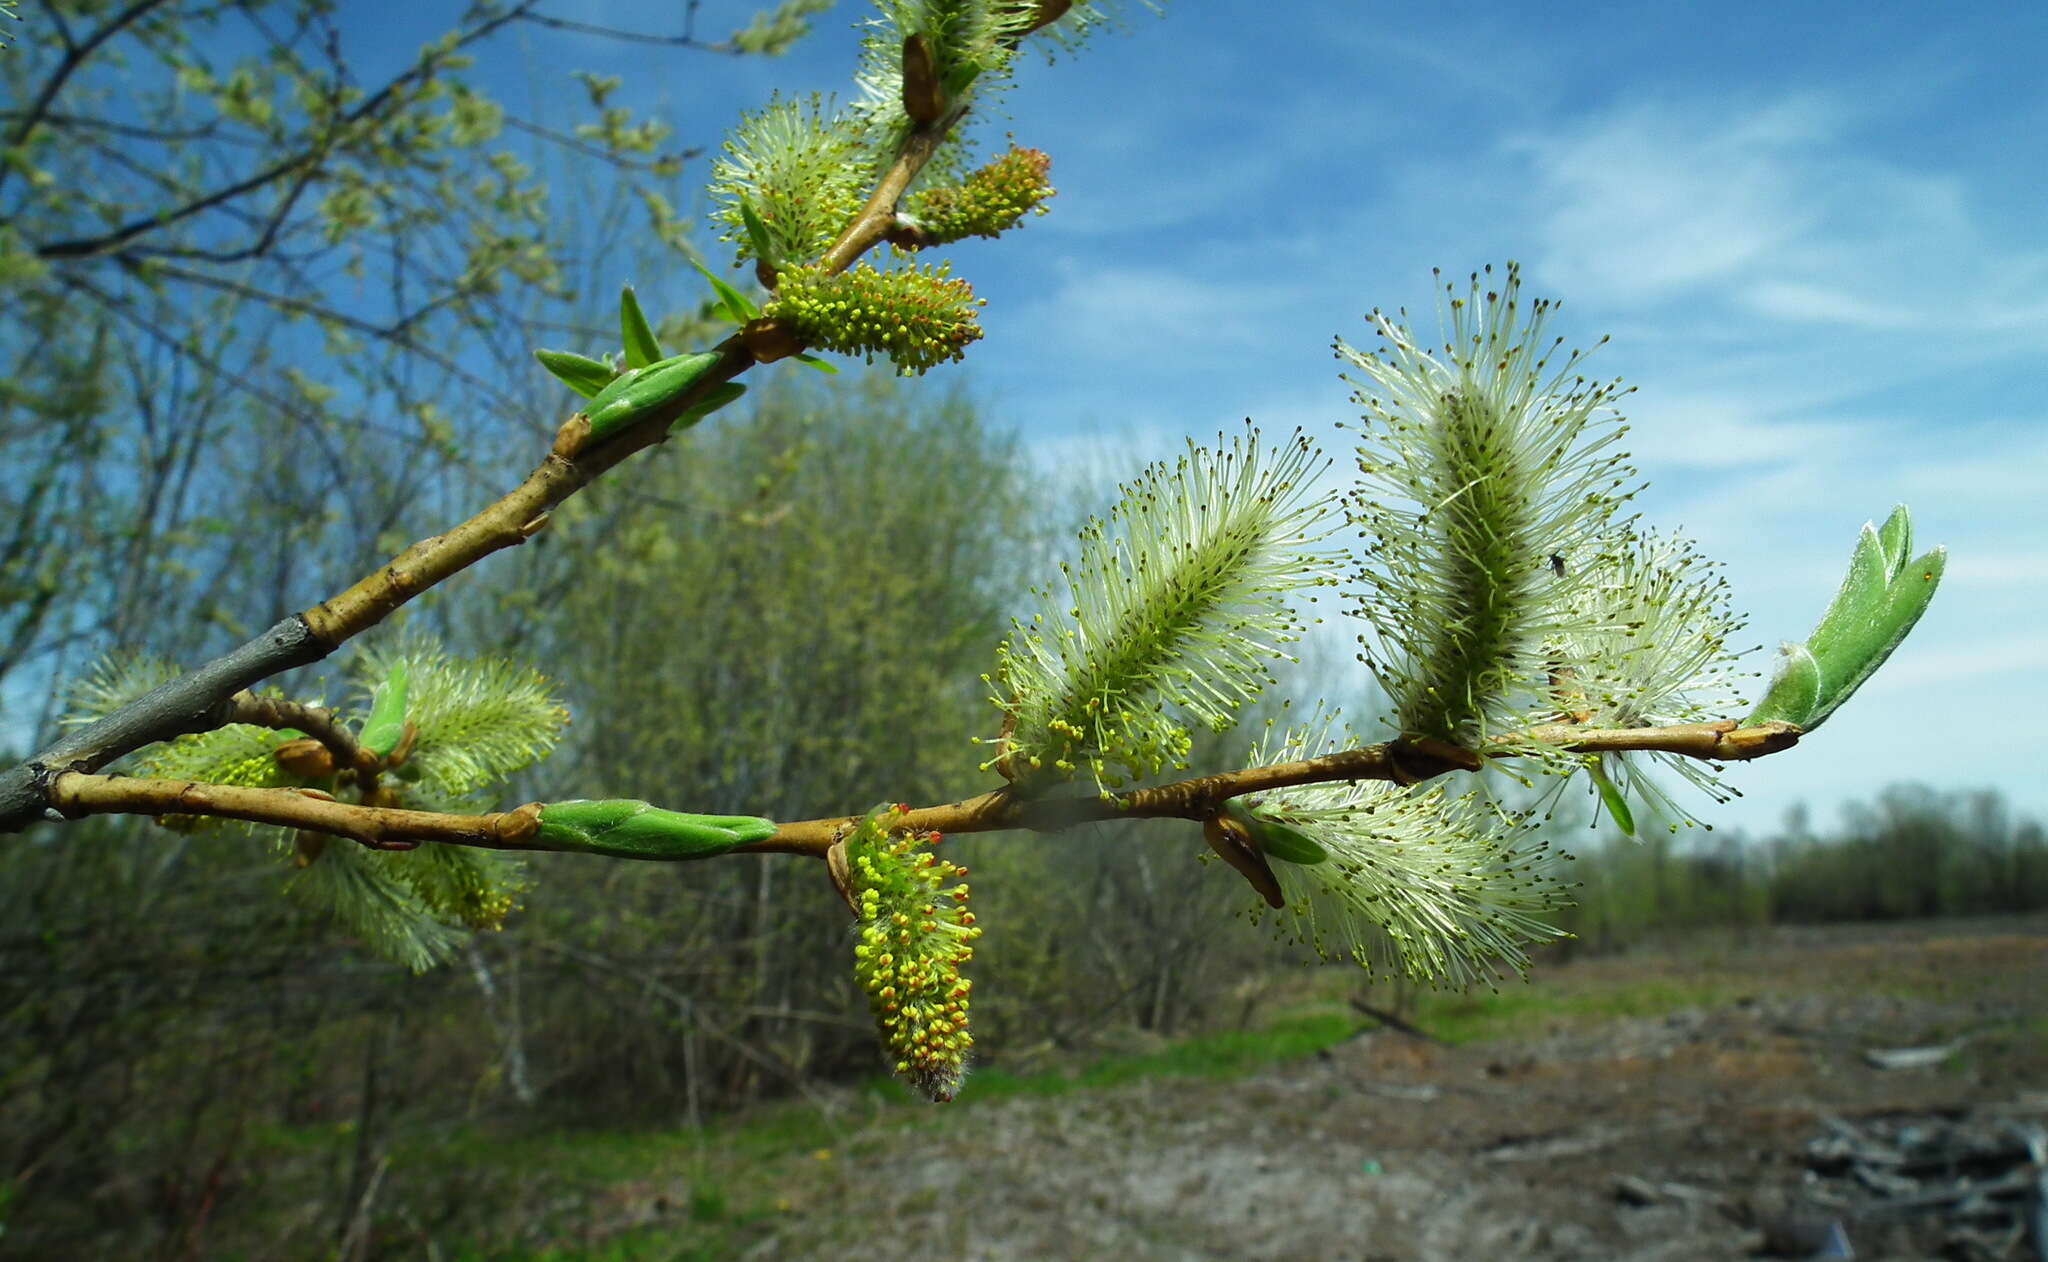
[1779,210]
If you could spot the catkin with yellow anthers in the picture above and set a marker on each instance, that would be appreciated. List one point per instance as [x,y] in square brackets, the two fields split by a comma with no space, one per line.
[915,934]
[987,203]
[916,317]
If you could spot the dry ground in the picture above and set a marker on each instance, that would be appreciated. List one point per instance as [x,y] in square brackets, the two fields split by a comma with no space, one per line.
[1680,1136]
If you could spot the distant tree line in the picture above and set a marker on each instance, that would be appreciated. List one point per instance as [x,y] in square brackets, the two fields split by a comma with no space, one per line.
[1912,851]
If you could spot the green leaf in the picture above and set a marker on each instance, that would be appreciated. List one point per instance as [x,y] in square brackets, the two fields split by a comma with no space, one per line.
[634,335]
[1857,603]
[757,233]
[812,361]
[1897,537]
[719,396]
[584,375]
[1284,841]
[1876,606]
[629,829]
[1861,648]
[1275,839]
[386,725]
[734,305]
[1794,690]
[642,390]
[956,81]
[1611,797]
[478,720]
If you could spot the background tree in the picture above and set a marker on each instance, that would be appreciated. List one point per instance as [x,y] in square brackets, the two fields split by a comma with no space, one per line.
[235,256]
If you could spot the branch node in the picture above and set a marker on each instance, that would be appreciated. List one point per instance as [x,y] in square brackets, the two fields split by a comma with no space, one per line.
[571,438]
[769,338]
[520,823]
[1230,840]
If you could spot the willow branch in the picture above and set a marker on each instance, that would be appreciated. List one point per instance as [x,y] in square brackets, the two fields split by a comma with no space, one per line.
[77,794]
[514,518]
[317,722]
[877,218]
[1402,762]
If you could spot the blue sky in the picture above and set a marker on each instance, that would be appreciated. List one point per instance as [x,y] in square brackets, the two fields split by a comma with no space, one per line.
[1814,233]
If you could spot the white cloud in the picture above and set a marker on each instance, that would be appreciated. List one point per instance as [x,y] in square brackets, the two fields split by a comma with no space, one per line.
[1727,431]
[1776,210]
[1647,202]
[1987,658]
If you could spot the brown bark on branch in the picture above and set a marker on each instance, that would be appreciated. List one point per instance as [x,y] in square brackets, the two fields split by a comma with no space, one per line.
[317,722]
[77,794]
[1402,762]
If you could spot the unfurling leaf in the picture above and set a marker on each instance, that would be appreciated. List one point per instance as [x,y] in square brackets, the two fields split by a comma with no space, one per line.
[1882,597]
[634,335]
[718,397]
[1794,691]
[385,727]
[732,304]
[584,375]
[628,829]
[645,389]
[1612,798]
[757,235]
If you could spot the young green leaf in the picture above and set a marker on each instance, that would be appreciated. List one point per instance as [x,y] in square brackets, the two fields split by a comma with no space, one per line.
[634,335]
[719,396]
[1857,603]
[386,725]
[629,829]
[757,235]
[733,305]
[1859,649]
[645,389]
[1897,537]
[584,375]
[1794,691]
[477,721]
[812,361]
[1281,841]
[1881,598]
[1611,797]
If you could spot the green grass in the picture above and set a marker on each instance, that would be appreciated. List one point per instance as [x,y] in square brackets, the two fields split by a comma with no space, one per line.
[735,1175]
[1529,1010]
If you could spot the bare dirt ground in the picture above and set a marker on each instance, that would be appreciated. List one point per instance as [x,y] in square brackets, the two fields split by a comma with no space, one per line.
[1683,1136]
